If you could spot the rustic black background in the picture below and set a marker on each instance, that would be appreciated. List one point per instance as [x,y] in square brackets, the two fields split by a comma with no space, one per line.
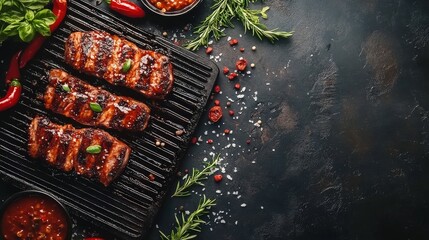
[343,148]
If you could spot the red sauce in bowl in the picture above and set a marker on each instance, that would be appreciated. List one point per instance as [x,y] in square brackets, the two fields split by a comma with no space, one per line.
[34,216]
[171,5]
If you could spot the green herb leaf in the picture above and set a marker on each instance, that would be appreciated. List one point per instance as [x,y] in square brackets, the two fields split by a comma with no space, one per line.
[93,149]
[11,16]
[126,66]
[34,4]
[26,31]
[11,29]
[46,15]
[195,178]
[95,107]
[187,227]
[15,5]
[1,4]
[29,15]
[41,27]
[263,12]
[66,88]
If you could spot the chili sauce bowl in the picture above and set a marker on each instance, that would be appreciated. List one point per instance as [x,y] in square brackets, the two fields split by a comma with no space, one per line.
[170,7]
[34,214]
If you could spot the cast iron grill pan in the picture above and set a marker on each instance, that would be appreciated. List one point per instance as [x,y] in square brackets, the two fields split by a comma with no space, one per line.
[127,207]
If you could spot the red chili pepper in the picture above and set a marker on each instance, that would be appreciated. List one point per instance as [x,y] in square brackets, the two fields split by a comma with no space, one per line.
[215,114]
[12,78]
[126,8]
[241,64]
[217,177]
[59,9]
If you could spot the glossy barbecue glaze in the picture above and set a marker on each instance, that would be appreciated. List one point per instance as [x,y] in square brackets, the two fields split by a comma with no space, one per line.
[71,97]
[64,147]
[103,55]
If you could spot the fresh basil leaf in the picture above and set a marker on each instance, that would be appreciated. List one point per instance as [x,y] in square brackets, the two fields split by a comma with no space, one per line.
[41,27]
[11,16]
[34,4]
[15,4]
[29,15]
[26,31]
[11,29]
[46,15]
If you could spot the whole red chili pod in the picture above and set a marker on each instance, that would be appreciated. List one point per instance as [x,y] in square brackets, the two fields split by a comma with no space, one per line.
[215,114]
[12,95]
[126,8]
[59,9]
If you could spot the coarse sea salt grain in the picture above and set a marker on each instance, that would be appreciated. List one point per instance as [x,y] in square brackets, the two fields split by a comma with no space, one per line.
[229,177]
[218,191]
[243,205]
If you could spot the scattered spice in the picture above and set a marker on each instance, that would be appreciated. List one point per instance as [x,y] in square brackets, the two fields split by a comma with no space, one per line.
[210,141]
[218,177]
[241,49]
[215,113]
[237,86]
[227,131]
[217,102]
[209,50]
[157,143]
[231,112]
[253,48]
[194,140]
[151,177]
[241,64]
[248,141]
[252,65]
[228,104]
[232,76]
[165,34]
[225,70]
[162,144]
[233,42]
[217,89]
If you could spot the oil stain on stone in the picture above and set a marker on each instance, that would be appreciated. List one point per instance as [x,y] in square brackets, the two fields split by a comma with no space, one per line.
[383,64]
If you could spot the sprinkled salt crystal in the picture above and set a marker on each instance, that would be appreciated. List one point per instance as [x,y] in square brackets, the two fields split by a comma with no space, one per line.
[222,221]
[274,149]
[233,145]
[236,222]
[229,177]
[243,89]
[248,72]
[218,191]
[239,196]
[235,193]
[240,96]
[187,212]
[268,84]
[262,207]
[210,42]
[243,205]
[229,38]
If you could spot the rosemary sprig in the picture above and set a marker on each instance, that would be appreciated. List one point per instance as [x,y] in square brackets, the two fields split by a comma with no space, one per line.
[186,227]
[195,178]
[223,13]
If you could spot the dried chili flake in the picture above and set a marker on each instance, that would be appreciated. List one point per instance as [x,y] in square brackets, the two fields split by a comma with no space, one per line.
[151,177]
[241,64]
[227,131]
[232,76]
[215,113]
[237,86]
[194,140]
[225,70]
[217,89]
[210,141]
[217,177]
[231,112]
[217,102]
[233,42]
[209,50]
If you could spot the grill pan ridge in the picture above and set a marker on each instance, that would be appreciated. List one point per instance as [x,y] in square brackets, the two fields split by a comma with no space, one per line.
[127,207]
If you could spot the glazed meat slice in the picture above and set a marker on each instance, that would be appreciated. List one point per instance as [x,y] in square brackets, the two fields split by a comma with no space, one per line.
[103,55]
[66,148]
[93,106]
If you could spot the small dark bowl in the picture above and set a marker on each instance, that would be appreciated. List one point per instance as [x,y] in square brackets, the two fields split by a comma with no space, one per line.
[28,193]
[172,13]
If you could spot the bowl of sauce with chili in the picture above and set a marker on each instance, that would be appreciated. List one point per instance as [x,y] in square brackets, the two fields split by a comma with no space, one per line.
[170,7]
[34,215]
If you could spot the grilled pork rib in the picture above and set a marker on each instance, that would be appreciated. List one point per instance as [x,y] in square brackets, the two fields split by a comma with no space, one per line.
[64,147]
[103,55]
[72,97]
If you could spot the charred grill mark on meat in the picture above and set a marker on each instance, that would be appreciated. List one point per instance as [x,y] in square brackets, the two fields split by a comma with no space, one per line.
[103,55]
[64,147]
[121,113]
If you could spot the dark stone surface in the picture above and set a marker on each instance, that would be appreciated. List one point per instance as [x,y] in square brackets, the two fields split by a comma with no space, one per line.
[343,148]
